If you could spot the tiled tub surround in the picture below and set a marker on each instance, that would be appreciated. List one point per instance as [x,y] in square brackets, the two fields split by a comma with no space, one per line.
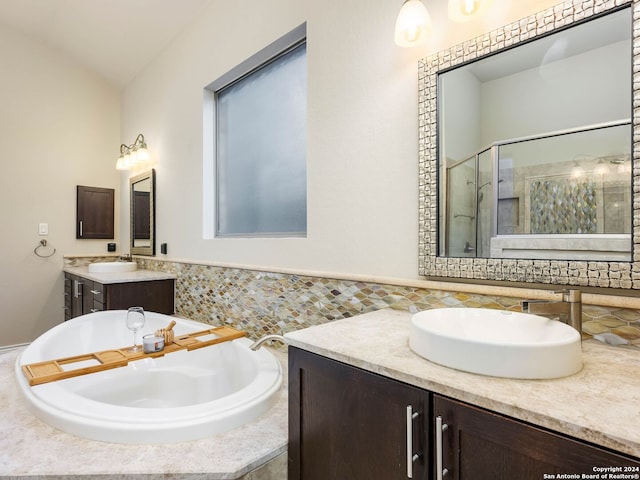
[32,449]
[600,404]
[260,302]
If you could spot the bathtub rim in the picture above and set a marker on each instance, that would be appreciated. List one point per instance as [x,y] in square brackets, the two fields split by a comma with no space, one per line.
[120,424]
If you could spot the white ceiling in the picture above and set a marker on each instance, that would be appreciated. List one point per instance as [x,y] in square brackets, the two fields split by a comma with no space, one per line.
[115,38]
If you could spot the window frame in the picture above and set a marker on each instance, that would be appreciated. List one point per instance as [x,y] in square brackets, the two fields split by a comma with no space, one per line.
[264,57]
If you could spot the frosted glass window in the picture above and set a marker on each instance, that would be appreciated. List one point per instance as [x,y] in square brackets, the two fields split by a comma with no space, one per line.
[261,143]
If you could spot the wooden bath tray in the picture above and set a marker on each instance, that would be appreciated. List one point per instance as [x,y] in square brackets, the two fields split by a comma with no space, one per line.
[52,370]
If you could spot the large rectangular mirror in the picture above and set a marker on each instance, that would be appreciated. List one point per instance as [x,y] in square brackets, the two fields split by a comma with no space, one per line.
[526,151]
[143,213]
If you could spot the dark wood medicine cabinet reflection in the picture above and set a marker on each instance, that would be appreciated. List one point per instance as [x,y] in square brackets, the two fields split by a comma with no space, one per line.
[94,212]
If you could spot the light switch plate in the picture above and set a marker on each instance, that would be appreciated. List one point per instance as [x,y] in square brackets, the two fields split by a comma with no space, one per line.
[43,229]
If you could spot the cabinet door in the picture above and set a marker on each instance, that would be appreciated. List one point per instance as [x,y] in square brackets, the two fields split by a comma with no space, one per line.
[94,212]
[349,424]
[478,445]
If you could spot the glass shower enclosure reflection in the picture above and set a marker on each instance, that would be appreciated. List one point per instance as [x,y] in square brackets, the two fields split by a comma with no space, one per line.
[470,190]
[541,196]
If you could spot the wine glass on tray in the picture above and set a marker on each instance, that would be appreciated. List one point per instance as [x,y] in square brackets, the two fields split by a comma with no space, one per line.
[135,321]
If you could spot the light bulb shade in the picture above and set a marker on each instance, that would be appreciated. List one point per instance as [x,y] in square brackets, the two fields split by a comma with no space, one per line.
[142,155]
[577,172]
[601,168]
[120,164]
[464,10]
[413,25]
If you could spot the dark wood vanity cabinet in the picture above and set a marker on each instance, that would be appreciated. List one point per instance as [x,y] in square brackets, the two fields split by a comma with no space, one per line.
[84,296]
[349,424]
[71,303]
[478,444]
[346,423]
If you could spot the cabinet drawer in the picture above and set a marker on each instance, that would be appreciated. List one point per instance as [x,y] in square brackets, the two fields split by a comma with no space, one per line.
[97,306]
[96,291]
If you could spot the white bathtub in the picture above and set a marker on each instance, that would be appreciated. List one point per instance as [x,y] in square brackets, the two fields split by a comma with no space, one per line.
[185,395]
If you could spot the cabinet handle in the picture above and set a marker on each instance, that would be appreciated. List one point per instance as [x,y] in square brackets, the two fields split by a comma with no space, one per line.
[80,228]
[76,289]
[94,310]
[411,457]
[96,292]
[440,427]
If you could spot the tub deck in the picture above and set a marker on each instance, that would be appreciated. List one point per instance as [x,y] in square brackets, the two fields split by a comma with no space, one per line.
[229,455]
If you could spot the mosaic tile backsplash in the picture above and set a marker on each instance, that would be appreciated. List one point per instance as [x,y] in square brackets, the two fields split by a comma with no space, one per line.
[261,302]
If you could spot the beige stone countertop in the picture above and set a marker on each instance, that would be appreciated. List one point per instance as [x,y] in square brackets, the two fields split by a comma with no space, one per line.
[119,277]
[599,404]
[32,448]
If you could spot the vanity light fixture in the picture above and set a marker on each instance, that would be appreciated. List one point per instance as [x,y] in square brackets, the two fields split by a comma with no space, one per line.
[578,170]
[413,25]
[464,10]
[601,167]
[133,155]
[622,162]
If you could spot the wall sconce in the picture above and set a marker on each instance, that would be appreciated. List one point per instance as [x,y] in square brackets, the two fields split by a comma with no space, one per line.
[578,171]
[133,155]
[463,10]
[413,25]
[601,167]
[622,162]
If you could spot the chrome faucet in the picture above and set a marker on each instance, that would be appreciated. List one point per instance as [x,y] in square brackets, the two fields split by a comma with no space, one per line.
[258,343]
[569,307]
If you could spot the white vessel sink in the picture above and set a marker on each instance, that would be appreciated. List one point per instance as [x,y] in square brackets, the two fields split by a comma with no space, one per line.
[496,342]
[112,267]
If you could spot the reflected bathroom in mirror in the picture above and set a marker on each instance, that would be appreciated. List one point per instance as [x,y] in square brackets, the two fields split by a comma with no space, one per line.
[143,213]
[526,138]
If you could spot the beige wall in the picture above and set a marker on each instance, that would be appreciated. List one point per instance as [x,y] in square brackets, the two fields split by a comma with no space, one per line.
[362,124]
[59,127]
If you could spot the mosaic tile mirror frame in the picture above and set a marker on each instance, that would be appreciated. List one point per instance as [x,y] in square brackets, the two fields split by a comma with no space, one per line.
[624,275]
